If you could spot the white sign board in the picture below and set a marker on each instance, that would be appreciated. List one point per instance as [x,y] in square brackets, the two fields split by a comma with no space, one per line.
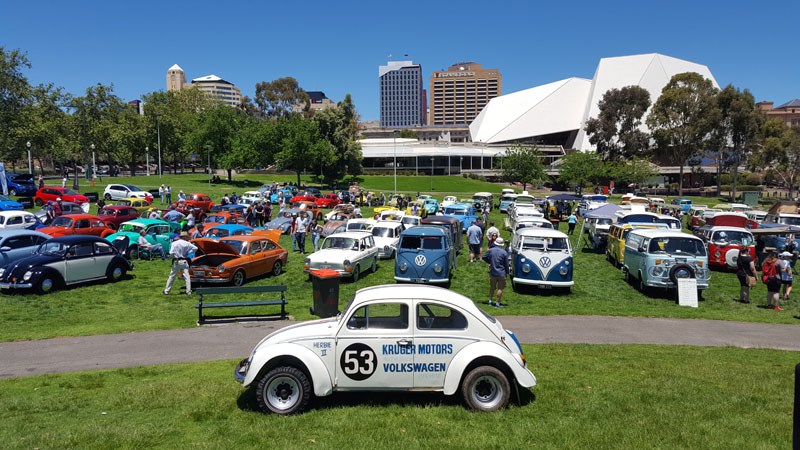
[687,292]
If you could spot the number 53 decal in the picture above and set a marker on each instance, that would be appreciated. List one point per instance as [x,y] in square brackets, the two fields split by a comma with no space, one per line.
[358,362]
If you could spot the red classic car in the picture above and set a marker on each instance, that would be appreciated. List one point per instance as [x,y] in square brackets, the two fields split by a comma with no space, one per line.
[235,259]
[328,201]
[113,215]
[201,201]
[52,193]
[70,224]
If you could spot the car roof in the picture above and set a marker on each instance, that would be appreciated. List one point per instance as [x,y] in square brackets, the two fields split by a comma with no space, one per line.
[78,238]
[724,228]
[232,226]
[387,224]
[80,216]
[416,291]
[249,238]
[662,233]
[540,232]
[425,230]
[15,213]
[146,222]
[352,234]
[439,219]
[116,207]
[19,232]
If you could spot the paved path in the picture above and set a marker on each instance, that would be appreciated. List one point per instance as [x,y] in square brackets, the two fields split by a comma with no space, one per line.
[237,340]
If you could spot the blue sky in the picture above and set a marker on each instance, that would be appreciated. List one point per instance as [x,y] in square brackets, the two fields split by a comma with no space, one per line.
[336,47]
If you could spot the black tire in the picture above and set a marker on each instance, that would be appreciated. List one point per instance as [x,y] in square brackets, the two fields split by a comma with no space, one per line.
[681,271]
[133,252]
[283,390]
[628,277]
[12,192]
[48,283]
[107,197]
[356,273]
[374,267]
[116,272]
[640,284]
[38,202]
[486,389]
[238,278]
[277,268]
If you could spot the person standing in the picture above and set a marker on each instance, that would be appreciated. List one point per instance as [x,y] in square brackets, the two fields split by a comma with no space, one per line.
[316,232]
[260,214]
[64,181]
[57,208]
[571,221]
[41,181]
[168,193]
[497,257]
[746,272]
[771,277]
[474,237]
[786,275]
[492,233]
[300,228]
[181,251]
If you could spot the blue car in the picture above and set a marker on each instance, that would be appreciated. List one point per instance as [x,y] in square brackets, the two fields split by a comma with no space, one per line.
[6,204]
[542,258]
[18,244]
[431,205]
[425,254]
[464,212]
[287,195]
[21,184]
[225,230]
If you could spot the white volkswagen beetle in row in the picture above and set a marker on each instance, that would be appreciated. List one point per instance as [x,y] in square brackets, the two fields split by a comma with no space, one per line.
[410,337]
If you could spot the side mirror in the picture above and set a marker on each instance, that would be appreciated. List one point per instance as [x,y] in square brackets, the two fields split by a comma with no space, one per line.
[641,249]
[5,248]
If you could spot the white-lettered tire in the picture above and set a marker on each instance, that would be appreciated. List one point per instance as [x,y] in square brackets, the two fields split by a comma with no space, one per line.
[486,388]
[283,390]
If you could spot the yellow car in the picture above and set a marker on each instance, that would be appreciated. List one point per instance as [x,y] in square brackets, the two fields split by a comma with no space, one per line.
[138,204]
[421,211]
[380,209]
[615,249]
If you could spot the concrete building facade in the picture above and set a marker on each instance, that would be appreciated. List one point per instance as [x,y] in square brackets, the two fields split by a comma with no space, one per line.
[176,78]
[223,90]
[788,112]
[402,96]
[459,93]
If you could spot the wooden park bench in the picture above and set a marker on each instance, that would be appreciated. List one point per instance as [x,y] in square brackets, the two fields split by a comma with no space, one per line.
[203,291]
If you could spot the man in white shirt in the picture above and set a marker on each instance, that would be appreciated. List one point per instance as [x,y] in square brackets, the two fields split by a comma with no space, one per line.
[181,251]
[492,233]
[300,230]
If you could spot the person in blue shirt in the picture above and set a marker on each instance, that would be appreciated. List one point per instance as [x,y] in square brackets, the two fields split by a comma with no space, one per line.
[497,257]
[474,239]
[571,221]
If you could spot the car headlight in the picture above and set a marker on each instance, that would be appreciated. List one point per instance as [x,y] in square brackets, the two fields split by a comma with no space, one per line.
[437,268]
[522,260]
[563,271]
[717,254]
[2,272]
[526,268]
[566,263]
[346,263]
[386,248]
[659,271]
[403,267]
[221,268]
[27,275]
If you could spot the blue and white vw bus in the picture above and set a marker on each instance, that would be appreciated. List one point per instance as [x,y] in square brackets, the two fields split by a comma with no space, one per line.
[541,257]
[425,254]
[465,213]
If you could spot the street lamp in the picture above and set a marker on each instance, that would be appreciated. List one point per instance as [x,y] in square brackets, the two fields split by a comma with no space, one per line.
[75,179]
[94,165]
[147,160]
[158,128]
[431,173]
[30,165]
[208,152]
[394,142]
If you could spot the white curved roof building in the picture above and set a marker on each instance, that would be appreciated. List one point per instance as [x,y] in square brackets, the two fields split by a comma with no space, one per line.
[556,113]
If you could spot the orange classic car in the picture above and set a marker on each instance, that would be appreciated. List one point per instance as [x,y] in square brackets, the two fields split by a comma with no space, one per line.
[70,224]
[235,259]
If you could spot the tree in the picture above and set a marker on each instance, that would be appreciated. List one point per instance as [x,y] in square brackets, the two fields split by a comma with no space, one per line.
[129,138]
[339,126]
[44,124]
[738,128]
[279,98]
[634,170]
[683,118]
[407,134]
[580,168]
[616,131]
[215,135]
[780,154]
[302,147]
[14,94]
[523,164]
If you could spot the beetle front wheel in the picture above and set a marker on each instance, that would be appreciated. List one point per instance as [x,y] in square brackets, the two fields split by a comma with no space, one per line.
[485,388]
[283,390]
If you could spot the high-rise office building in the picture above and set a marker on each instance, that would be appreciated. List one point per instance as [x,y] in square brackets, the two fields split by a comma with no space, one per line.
[402,95]
[176,78]
[459,93]
[225,91]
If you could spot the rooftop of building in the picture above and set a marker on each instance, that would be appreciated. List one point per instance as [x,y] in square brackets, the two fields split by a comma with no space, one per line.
[210,79]
[790,104]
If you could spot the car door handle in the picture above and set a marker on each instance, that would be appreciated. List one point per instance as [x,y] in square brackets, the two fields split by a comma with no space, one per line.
[405,342]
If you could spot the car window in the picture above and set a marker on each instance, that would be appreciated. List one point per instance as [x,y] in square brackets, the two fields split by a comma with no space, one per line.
[79,250]
[255,247]
[102,248]
[267,245]
[380,316]
[16,220]
[438,317]
[18,242]
[83,223]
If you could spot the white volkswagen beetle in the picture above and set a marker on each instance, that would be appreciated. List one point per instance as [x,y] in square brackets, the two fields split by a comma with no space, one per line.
[410,337]
[387,235]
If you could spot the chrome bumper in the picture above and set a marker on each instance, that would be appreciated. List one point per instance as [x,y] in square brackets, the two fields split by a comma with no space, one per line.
[16,285]
[543,283]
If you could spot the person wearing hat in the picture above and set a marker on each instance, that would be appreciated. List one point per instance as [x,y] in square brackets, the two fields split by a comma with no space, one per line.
[156,248]
[57,209]
[786,274]
[497,257]
[181,251]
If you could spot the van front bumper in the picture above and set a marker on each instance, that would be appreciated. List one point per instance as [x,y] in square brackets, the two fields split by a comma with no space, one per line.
[543,283]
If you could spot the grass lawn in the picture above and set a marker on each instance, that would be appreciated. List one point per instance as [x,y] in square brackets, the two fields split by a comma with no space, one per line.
[136,304]
[588,396]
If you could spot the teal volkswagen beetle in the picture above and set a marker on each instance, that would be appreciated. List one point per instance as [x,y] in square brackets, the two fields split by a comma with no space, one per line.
[157,232]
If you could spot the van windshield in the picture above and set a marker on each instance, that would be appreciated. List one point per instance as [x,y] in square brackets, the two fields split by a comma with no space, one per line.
[455,212]
[544,244]
[677,246]
[422,242]
[733,237]
[789,220]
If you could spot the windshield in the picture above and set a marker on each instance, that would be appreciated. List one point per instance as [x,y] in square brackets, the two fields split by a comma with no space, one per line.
[64,222]
[543,244]
[383,232]
[455,212]
[357,226]
[214,219]
[603,221]
[677,246]
[132,187]
[733,237]
[670,222]
[789,220]
[216,233]
[422,242]
[409,220]
[239,246]
[131,228]
[52,248]
[341,243]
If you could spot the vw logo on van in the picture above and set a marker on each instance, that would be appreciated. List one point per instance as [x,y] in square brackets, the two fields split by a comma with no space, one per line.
[545,262]
[420,260]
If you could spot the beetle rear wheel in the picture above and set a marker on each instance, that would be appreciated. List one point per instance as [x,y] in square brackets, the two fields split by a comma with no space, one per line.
[116,273]
[277,268]
[485,388]
[283,390]
[238,278]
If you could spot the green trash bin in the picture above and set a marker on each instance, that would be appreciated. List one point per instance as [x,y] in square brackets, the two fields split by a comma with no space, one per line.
[325,284]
